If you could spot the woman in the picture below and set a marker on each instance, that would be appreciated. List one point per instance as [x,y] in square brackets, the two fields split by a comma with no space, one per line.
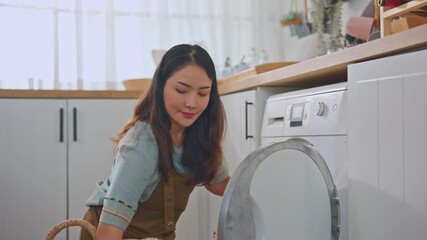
[172,143]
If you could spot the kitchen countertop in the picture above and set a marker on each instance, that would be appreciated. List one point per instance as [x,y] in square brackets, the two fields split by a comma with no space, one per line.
[86,94]
[317,71]
[332,68]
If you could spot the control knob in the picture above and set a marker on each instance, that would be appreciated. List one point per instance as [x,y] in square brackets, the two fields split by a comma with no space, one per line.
[319,108]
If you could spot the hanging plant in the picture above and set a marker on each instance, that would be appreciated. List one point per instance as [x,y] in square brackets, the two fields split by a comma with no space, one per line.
[318,25]
[327,19]
[336,39]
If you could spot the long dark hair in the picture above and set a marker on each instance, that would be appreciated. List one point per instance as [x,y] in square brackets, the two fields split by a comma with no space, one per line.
[202,152]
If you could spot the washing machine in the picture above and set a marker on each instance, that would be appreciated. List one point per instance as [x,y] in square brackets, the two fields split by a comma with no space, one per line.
[295,185]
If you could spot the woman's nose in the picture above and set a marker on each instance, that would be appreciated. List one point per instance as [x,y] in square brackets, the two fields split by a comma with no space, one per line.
[191,101]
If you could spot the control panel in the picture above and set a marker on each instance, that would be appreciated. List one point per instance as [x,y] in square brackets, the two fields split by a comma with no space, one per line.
[319,113]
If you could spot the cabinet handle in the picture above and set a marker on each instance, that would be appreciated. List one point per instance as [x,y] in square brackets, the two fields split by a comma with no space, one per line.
[61,125]
[75,124]
[246,120]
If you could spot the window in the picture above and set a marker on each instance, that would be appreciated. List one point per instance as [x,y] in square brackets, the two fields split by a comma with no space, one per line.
[96,44]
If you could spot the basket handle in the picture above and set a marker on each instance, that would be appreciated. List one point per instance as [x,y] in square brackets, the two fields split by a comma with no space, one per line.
[71,222]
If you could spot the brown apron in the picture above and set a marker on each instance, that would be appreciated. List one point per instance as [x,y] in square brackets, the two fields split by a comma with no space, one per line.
[156,217]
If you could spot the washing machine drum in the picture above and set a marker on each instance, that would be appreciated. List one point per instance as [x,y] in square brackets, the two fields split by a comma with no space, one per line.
[281,191]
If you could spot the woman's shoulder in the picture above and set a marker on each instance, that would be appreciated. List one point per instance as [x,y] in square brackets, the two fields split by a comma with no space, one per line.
[138,133]
[145,128]
[139,143]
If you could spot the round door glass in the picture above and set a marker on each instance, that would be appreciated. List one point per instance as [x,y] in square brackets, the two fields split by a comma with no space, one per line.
[289,198]
[281,191]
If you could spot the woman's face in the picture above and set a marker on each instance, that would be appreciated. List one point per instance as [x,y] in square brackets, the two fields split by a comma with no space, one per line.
[186,95]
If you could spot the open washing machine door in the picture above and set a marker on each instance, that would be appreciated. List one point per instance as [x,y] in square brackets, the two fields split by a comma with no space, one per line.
[281,191]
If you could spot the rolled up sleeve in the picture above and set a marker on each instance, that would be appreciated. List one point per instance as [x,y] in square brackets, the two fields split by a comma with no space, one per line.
[222,173]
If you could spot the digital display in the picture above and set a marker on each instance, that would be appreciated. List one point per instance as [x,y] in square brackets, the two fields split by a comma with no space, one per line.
[297,113]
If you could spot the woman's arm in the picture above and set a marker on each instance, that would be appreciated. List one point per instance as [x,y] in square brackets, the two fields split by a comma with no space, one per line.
[218,188]
[108,232]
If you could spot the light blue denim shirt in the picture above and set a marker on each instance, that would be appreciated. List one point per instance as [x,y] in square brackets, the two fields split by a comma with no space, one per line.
[134,176]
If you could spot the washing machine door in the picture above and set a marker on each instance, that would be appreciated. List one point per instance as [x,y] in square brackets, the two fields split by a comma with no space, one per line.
[281,191]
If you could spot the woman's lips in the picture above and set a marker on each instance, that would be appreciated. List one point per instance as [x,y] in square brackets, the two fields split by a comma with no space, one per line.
[188,115]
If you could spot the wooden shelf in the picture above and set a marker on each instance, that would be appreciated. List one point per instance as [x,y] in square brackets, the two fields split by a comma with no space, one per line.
[405,8]
[388,14]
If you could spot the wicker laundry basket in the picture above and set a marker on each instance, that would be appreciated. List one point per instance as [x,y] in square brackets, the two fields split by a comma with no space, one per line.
[76,222]
[69,223]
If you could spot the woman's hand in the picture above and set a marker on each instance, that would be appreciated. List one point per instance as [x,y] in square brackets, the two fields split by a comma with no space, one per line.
[218,188]
[108,232]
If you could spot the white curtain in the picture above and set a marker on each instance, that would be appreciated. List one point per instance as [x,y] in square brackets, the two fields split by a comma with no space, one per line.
[96,44]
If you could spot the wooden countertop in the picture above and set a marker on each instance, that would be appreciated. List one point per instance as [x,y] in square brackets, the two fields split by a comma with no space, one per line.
[332,68]
[93,94]
[318,71]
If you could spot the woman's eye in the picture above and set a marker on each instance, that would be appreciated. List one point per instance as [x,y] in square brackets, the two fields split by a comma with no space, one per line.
[180,91]
[203,94]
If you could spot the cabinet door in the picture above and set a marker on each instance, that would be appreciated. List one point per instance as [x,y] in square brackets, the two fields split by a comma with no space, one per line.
[32,167]
[92,124]
[387,132]
[415,163]
[188,226]
[241,129]
[239,141]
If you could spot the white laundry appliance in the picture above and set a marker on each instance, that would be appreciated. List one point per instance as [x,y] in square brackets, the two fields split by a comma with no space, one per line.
[295,185]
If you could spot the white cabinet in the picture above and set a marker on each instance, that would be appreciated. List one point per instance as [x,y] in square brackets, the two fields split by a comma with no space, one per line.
[244,112]
[33,176]
[188,226]
[52,152]
[387,136]
[92,124]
